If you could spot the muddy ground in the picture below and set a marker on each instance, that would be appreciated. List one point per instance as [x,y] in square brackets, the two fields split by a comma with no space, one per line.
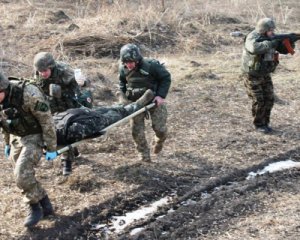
[211,148]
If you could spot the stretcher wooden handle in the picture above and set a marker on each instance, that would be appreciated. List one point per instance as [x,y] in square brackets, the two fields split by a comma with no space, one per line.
[103,131]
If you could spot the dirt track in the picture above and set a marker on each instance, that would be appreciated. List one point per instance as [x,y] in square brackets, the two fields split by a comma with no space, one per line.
[210,150]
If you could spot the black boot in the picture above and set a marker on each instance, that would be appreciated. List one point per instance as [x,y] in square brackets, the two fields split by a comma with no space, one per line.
[76,152]
[67,167]
[34,216]
[47,206]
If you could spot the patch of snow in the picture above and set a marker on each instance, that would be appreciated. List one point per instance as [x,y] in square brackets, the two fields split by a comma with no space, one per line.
[121,222]
[135,231]
[275,167]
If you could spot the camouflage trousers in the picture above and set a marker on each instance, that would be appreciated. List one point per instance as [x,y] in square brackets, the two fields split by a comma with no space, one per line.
[260,90]
[159,125]
[26,153]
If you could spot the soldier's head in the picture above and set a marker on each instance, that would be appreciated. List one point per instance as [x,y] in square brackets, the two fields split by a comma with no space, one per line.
[43,63]
[130,55]
[265,26]
[4,83]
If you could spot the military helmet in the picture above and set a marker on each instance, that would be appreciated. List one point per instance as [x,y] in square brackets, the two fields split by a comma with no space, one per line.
[130,52]
[43,61]
[264,25]
[4,82]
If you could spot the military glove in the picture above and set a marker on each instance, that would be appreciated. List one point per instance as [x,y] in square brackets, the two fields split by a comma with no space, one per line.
[50,155]
[7,150]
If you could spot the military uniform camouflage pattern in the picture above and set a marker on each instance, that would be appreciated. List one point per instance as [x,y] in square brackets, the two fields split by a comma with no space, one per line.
[159,124]
[149,74]
[4,82]
[43,60]
[130,52]
[259,60]
[63,76]
[76,124]
[260,90]
[26,148]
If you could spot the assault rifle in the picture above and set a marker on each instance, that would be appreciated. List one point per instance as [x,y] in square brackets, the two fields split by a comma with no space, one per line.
[286,40]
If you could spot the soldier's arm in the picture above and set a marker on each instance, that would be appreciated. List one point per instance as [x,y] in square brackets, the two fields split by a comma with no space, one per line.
[255,47]
[122,79]
[163,77]
[35,103]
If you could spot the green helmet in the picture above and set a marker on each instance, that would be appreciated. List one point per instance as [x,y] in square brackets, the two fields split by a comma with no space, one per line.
[43,61]
[4,82]
[130,52]
[264,25]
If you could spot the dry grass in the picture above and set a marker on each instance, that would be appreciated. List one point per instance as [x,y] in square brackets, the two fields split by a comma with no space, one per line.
[209,124]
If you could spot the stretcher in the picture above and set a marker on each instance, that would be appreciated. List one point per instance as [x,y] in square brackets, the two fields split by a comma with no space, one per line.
[105,130]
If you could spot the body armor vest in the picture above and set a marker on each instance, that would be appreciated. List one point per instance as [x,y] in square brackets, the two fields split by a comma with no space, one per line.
[14,119]
[69,91]
[140,80]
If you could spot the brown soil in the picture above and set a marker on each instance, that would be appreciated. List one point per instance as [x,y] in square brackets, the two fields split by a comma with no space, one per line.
[211,146]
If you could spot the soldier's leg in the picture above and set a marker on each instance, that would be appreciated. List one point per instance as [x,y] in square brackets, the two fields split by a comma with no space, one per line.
[255,92]
[26,160]
[159,117]
[269,98]
[138,134]
[67,159]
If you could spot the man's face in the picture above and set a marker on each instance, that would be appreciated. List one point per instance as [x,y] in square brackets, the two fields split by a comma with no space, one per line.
[130,65]
[46,73]
[270,33]
[2,96]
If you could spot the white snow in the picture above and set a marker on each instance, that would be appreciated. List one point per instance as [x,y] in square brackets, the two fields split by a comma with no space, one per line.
[121,222]
[275,167]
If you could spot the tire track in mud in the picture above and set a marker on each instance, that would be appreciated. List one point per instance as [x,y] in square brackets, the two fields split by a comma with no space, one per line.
[210,209]
[206,209]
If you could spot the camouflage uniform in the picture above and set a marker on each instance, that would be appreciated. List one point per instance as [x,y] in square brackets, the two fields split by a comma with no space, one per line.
[259,60]
[149,74]
[27,127]
[76,124]
[62,75]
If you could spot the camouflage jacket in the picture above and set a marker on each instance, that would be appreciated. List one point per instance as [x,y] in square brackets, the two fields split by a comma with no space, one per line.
[260,58]
[25,111]
[64,76]
[149,74]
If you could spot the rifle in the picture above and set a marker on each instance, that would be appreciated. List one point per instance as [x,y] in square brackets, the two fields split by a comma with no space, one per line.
[286,40]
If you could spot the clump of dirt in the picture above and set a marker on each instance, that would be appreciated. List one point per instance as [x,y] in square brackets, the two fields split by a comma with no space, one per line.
[82,185]
[58,17]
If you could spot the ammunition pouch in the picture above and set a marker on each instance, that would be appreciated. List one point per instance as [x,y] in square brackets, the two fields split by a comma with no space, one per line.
[134,94]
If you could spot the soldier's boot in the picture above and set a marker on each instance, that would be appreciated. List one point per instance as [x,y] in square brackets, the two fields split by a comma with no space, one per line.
[76,152]
[159,141]
[46,206]
[146,98]
[145,156]
[34,216]
[67,167]
[158,147]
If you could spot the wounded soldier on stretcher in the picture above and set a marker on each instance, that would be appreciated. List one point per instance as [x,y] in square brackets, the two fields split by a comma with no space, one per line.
[81,123]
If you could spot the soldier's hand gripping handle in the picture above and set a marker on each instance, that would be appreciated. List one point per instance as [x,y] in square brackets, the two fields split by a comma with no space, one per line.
[50,155]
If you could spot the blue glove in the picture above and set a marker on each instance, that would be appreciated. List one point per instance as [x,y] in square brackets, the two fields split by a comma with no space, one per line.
[7,151]
[50,155]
